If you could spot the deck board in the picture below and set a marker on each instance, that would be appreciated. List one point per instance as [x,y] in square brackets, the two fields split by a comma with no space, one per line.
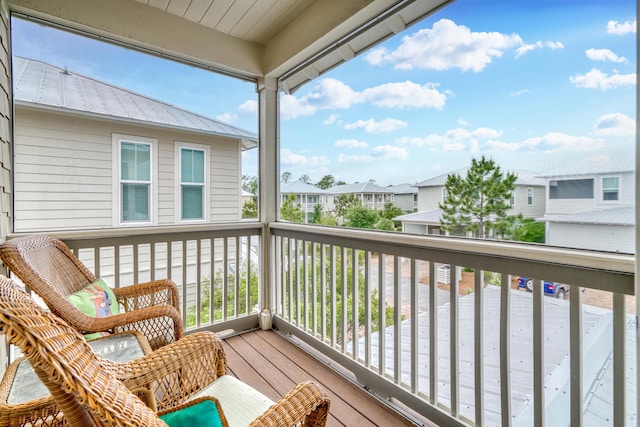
[273,365]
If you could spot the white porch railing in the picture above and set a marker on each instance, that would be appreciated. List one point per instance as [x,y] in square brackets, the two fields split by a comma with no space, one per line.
[458,353]
[463,355]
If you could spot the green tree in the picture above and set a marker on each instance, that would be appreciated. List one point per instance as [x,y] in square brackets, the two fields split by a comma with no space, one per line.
[527,230]
[344,202]
[250,185]
[326,181]
[290,210]
[390,211]
[362,217]
[285,178]
[305,179]
[328,219]
[316,215]
[249,209]
[478,202]
[384,224]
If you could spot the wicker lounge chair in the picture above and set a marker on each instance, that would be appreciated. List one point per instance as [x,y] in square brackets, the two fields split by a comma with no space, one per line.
[49,268]
[85,388]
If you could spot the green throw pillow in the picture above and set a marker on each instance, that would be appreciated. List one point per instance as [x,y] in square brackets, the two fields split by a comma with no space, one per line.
[95,300]
[202,414]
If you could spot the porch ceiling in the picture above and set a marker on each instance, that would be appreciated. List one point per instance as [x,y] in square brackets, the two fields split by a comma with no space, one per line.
[295,40]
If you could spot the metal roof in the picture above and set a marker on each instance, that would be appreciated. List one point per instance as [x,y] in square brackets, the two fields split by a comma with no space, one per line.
[431,217]
[622,215]
[41,85]
[523,178]
[403,189]
[359,187]
[597,346]
[299,187]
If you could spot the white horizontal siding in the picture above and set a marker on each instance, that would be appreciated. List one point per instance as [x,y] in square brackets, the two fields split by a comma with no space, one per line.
[64,172]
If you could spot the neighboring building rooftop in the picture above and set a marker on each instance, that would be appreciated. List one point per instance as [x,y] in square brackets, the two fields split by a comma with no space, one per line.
[299,187]
[42,85]
[616,161]
[524,178]
[623,215]
[403,189]
[430,216]
[358,187]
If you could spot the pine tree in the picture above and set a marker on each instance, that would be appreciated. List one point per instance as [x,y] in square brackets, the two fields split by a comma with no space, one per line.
[478,202]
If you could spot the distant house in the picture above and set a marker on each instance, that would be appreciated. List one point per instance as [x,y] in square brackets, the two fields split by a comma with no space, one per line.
[405,197]
[91,155]
[592,206]
[307,197]
[528,199]
[371,195]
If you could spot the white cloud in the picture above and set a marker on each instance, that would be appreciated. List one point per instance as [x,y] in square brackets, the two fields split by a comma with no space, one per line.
[288,157]
[537,45]
[227,117]
[615,124]
[372,126]
[458,139]
[249,106]
[351,143]
[604,55]
[333,94]
[446,46]
[343,158]
[596,79]
[618,28]
[333,118]
[520,92]
[405,95]
[390,152]
[555,141]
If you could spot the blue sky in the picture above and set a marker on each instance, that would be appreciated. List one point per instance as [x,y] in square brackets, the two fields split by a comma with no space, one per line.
[533,84]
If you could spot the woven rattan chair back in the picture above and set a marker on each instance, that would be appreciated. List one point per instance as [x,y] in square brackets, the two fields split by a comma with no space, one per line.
[87,394]
[49,268]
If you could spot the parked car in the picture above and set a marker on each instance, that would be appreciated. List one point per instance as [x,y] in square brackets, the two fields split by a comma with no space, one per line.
[558,290]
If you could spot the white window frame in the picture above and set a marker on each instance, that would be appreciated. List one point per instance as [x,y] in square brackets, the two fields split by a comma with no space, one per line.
[179,145]
[530,196]
[117,140]
[602,189]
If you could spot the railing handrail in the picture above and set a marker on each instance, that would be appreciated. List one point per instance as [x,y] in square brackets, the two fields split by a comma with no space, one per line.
[535,260]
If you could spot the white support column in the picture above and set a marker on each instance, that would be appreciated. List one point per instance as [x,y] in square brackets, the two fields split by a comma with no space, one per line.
[268,183]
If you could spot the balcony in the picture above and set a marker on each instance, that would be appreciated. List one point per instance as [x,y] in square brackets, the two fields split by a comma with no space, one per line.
[473,351]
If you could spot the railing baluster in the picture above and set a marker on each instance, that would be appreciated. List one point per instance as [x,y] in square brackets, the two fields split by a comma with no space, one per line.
[296,282]
[538,353]
[305,285]
[575,355]
[454,338]
[355,284]
[198,282]
[433,334]
[333,279]
[478,359]
[225,278]
[414,326]
[382,324]
[367,309]
[97,261]
[152,261]
[314,289]
[236,295]
[116,266]
[135,265]
[397,319]
[212,279]
[619,360]
[184,276]
[344,288]
[505,349]
[323,292]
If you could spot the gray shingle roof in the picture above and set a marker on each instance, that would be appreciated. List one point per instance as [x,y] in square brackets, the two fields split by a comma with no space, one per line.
[431,216]
[403,189]
[46,86]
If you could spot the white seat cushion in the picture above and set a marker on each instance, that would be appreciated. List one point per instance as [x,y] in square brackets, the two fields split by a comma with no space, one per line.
[240,403]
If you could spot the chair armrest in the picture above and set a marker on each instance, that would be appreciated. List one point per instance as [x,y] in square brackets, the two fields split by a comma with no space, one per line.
[176,371]
[306,404]
[141,295]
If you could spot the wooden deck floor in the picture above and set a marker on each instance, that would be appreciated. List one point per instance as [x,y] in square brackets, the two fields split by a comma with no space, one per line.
[273,365]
